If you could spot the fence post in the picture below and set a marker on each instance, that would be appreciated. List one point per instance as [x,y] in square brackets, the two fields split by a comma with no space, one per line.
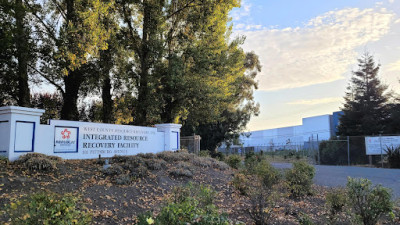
[380,142]
[319,159]
[348,150]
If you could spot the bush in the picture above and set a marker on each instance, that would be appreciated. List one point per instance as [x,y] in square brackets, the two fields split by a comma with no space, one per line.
[204,153]
[133,162]
[155,164]
[189,205]
[219,156]
[234,161]
[169,156]
[4,160]
[38,161]
[119,158]
[41,164]
[185,166]
[393,156]
[333,152]
[146,155]
[113,170]
[219,165]
[261,194]
[202,162]
[240,182]
[140,172]
[305,219]
[267,174]
[26,157]
[335,202]
[123,179]
[180,172]
[369,203]
[45,208]
[250,162]
[299,179]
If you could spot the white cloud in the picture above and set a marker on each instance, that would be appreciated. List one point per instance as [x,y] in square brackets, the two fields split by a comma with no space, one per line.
[316,101]
[321,51]
[243,11]
[394,66]
[391,1]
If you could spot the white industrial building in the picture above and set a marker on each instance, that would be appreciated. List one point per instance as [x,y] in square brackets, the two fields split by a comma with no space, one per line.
[307,135]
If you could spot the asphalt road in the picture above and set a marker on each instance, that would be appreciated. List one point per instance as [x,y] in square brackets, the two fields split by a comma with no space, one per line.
[336,176]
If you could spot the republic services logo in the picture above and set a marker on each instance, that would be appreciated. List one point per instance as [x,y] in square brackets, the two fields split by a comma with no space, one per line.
[65,133]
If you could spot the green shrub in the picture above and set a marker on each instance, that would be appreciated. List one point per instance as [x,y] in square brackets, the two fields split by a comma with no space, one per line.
[123,179]
[305,219]
[333,152]
[169,156]
[26,157]
[113,170]
[393,156]
[180,172]
[262,192]
[204,162]
[121,158]
[234,161]
[335,202]
[188,205]
[140,172]
[299,179]
[40,164]
[155,164]
[146,155]
[219,165]
[204,153]
[369,203]
[46,208]
[267,174]
[240,182]
[185,166]
[219,156]
[250,162]
[133,162]
[38,161]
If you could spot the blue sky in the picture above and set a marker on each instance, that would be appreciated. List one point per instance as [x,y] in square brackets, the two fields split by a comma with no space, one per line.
[309,48]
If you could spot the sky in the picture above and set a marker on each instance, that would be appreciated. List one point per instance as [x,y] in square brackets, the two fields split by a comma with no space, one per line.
[308,50]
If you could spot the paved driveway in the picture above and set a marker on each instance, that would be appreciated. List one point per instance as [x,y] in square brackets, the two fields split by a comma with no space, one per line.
[336,176]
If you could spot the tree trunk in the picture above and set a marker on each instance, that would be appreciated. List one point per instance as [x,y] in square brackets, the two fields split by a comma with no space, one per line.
[143,92]
[74,78]
[107,111]
[72,82]
[22,56]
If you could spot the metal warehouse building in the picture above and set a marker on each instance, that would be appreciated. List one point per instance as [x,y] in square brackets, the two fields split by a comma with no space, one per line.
[305,136]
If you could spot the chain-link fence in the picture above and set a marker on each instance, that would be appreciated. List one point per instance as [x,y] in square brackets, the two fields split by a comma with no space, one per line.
[191,143]
[352,150]
[349,150]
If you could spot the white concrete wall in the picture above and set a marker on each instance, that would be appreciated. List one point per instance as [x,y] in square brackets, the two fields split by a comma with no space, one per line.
[312,128]
[21,133]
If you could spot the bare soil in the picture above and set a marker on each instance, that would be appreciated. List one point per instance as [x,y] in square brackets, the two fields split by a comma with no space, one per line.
[110,203]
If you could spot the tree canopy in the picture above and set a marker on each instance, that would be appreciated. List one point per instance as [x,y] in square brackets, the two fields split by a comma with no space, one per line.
[140,62]
[365,111]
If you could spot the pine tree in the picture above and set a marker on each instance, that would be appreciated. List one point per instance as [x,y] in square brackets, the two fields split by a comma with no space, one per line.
[365,108]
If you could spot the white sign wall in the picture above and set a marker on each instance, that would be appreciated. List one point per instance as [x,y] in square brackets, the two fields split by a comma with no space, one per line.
[378,145]
[21,133]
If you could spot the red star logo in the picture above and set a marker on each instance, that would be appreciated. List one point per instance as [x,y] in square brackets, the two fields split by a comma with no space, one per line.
[65,133]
